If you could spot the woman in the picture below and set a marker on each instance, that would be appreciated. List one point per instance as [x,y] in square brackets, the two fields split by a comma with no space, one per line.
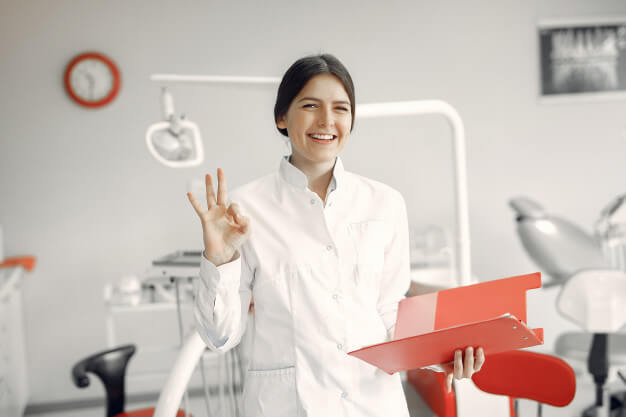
[324,252]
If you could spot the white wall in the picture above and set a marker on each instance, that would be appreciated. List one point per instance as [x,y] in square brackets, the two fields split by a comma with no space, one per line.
[80,191]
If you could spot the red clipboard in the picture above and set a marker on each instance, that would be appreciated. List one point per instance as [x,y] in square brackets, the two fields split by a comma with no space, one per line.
[431,327]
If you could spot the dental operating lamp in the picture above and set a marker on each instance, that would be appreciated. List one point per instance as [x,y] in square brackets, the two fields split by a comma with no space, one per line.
[176,142]
[555,244]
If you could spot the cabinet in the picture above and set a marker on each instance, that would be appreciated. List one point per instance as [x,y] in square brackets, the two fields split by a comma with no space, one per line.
[156,325]
[13,371]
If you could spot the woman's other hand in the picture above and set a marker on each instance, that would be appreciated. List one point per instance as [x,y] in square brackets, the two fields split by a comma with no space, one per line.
[224,229]
[465,365]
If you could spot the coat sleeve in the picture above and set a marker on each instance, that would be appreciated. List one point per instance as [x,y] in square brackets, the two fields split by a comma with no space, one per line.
[395,278]
[222,299]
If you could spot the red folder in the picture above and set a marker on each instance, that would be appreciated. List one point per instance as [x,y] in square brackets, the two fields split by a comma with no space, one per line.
[430,327]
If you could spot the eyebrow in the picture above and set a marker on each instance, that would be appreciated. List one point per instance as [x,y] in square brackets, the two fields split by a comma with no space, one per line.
[317,99]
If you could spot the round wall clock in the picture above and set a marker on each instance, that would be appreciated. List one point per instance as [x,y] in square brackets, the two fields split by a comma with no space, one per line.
[92,79]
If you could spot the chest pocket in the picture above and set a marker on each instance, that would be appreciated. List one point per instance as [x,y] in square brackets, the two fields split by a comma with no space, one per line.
[369,239]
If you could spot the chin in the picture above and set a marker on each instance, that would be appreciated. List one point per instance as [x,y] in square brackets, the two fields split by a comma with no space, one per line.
[326,157]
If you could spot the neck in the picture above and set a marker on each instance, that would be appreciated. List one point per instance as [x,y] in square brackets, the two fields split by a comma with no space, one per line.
[319,174]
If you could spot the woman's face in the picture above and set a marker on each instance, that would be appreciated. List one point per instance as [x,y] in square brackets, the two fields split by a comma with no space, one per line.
[318,119]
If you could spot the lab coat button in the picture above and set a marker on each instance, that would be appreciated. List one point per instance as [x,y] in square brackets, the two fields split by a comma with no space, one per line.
[312,201]
[344,395]
[329,248]
[339,346]
[335,296]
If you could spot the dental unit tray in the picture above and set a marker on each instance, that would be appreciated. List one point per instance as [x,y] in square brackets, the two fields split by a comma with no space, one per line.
[177,265]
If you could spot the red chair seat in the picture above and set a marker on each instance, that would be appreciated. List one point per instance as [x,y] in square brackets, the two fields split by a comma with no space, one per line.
[524,374]
[517,374]
[147,412]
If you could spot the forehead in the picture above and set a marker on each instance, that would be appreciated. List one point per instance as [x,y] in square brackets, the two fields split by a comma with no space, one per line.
[324,87]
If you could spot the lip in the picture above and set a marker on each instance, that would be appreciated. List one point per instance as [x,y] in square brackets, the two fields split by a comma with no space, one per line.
[323,141]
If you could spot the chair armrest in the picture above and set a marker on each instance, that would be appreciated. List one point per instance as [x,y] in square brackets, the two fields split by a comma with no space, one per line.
[79,374]
[116,359]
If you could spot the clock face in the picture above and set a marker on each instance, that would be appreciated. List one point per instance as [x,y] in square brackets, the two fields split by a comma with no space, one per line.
[92,80]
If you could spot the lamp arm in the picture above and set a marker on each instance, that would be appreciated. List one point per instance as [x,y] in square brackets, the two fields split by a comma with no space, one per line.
[178,78]
[406,108]
[167,104]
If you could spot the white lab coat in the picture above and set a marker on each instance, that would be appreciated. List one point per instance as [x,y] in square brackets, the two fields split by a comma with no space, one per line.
[326,279]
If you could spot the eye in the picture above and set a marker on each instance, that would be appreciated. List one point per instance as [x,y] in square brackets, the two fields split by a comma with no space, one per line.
[341,108]
[309,106]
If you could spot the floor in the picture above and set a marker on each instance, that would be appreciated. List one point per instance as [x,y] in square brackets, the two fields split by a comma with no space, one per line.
[417,408]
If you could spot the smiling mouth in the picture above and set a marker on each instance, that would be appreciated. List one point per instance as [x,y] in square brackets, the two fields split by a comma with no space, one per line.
[322,138]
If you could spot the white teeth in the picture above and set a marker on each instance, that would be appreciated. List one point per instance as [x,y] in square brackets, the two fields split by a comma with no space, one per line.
[326,137]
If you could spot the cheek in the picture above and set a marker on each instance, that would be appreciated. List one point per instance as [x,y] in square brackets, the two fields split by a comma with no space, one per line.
[300,121]
[345,125]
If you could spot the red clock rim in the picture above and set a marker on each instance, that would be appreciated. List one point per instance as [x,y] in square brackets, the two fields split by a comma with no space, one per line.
[114,72]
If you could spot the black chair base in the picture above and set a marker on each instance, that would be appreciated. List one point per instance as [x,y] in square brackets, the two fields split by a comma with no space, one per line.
[618,406]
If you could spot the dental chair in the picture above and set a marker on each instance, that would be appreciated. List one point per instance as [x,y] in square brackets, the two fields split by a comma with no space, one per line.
[509,375]
[593,296]
[595,300]
[110,367]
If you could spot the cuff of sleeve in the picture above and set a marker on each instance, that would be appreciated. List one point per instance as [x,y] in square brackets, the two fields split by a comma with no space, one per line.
[228,272]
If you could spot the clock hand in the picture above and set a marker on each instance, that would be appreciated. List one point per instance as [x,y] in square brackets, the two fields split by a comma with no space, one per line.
[92,83]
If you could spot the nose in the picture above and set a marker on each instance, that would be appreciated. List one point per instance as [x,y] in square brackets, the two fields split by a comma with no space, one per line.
[326,118]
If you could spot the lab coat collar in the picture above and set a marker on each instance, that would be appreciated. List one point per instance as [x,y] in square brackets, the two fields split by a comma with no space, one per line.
[295,177]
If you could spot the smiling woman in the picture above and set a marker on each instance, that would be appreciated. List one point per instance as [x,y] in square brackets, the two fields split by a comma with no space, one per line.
[325,254]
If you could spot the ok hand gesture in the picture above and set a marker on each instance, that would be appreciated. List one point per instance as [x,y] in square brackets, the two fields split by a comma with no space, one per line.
[224,229]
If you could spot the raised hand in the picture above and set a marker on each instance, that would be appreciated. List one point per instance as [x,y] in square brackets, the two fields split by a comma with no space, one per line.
[224,229]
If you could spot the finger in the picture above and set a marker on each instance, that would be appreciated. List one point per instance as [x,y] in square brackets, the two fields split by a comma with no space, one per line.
[458,364]
[235,212]
[242,221]
[221,187]
[468,366]
[231,211]
[480,359]
[210,194]
[196,206]
[449,383]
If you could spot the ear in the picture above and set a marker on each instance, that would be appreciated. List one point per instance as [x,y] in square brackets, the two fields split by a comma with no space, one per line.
[281,122]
